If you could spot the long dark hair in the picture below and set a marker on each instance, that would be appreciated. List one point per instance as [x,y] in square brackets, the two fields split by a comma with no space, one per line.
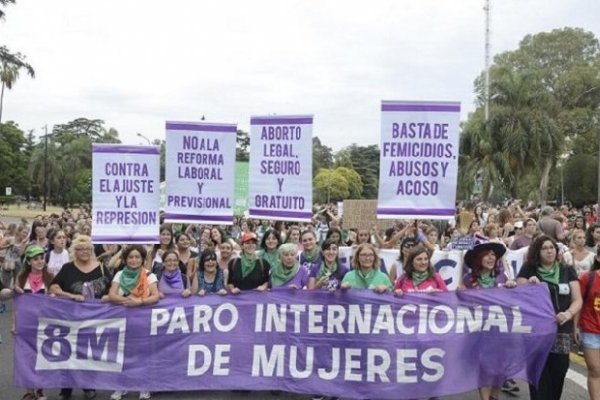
[207,255]
[276,235]
[22,278]
[535,249]
[414,252]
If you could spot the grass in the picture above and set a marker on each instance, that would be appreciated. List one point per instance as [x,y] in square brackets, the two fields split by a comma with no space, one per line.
[23,212]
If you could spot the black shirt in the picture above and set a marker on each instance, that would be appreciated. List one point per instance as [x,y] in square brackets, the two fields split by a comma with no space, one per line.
[258,276]
[71,280]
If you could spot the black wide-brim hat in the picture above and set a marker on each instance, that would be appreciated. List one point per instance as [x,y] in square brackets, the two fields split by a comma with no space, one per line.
[498,248]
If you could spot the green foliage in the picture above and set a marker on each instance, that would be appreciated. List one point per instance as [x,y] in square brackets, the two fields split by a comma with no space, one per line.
[4,3]
[322,156]
[544,98]
[355,184]
[242,142]
[13,159]
[10,66]
[365,161]
[329,185]
[581,179]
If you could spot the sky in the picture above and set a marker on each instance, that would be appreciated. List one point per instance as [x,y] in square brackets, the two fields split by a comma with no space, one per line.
[136,64]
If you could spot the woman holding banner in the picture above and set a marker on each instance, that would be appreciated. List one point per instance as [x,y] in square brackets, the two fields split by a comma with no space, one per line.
[419,274]
[225,254]
[543,265]
[83,278]
[286,272]
[249,272]
[485,263]
[330,274]
[310,258]
[209,278]
[365,272]
[133,286]
[170,279]
[36,279]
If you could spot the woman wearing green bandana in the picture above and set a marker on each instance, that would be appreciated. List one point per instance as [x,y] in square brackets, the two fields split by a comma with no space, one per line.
[419,275]
[330,274]
[269,244]
[543,265]
[286,272]
[365,273]
[248,272]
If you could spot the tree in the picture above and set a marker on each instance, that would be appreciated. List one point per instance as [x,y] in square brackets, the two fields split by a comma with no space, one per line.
[242,142]
[322,156]
[355,184]
[13,163]
[539,92]
[329,185]
[365,161]
[10,66]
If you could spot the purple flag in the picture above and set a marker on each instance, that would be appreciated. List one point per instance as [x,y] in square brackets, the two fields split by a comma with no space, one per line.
[354,344]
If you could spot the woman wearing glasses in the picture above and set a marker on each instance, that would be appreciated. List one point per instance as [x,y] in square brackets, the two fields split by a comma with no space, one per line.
[543,265]
[365,273]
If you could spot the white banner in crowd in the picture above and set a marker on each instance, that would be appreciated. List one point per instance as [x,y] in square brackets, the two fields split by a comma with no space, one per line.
[449,263]
[419,159]
[281,168]
[125,189]
[200,170]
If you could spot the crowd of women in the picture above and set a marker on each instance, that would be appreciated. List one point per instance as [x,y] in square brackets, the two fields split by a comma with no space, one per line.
[56,256]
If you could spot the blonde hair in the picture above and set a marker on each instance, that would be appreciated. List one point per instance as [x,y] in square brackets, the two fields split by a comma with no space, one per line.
[81,241]
[361,247]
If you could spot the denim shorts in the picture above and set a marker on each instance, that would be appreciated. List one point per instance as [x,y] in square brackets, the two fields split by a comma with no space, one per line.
[590,340]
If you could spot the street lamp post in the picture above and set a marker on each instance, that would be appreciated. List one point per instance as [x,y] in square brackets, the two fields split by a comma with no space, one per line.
[145,138]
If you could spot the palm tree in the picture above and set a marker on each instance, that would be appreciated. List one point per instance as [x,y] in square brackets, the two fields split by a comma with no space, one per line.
[10,65]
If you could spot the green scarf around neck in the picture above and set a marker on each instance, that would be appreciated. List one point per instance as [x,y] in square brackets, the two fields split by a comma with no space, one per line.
[248,264]
[312,255]
[419,277]
[324,270]
[368,278]
[552,275]
[272,257]
[280,274]
[486,281]
[129,279]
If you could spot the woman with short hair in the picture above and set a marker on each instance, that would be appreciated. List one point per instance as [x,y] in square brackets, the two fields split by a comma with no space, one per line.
[419,274]
[330,274]
[287,272]
[248,272]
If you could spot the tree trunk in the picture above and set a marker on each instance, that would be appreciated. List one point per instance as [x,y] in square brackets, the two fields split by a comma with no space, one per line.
[544,181]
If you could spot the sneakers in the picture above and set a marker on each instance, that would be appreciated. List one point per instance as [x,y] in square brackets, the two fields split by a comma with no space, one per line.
[144,395]
[118,395]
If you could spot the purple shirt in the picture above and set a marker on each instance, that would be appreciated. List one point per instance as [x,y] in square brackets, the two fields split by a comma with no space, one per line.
[335,280]
[300,280]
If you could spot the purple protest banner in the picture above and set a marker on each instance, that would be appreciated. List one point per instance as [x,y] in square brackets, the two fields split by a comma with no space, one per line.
[354,344]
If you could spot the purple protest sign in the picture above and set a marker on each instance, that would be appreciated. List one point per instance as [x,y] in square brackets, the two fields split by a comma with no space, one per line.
[126,197]
[354,344]
[281,167]
[419,159]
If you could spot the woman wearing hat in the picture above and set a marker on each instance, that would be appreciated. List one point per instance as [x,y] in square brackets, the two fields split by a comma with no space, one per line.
[419,274]
[286,272]
[34,278]
[248,272]
[486,272]
[543,265]
[484,261]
